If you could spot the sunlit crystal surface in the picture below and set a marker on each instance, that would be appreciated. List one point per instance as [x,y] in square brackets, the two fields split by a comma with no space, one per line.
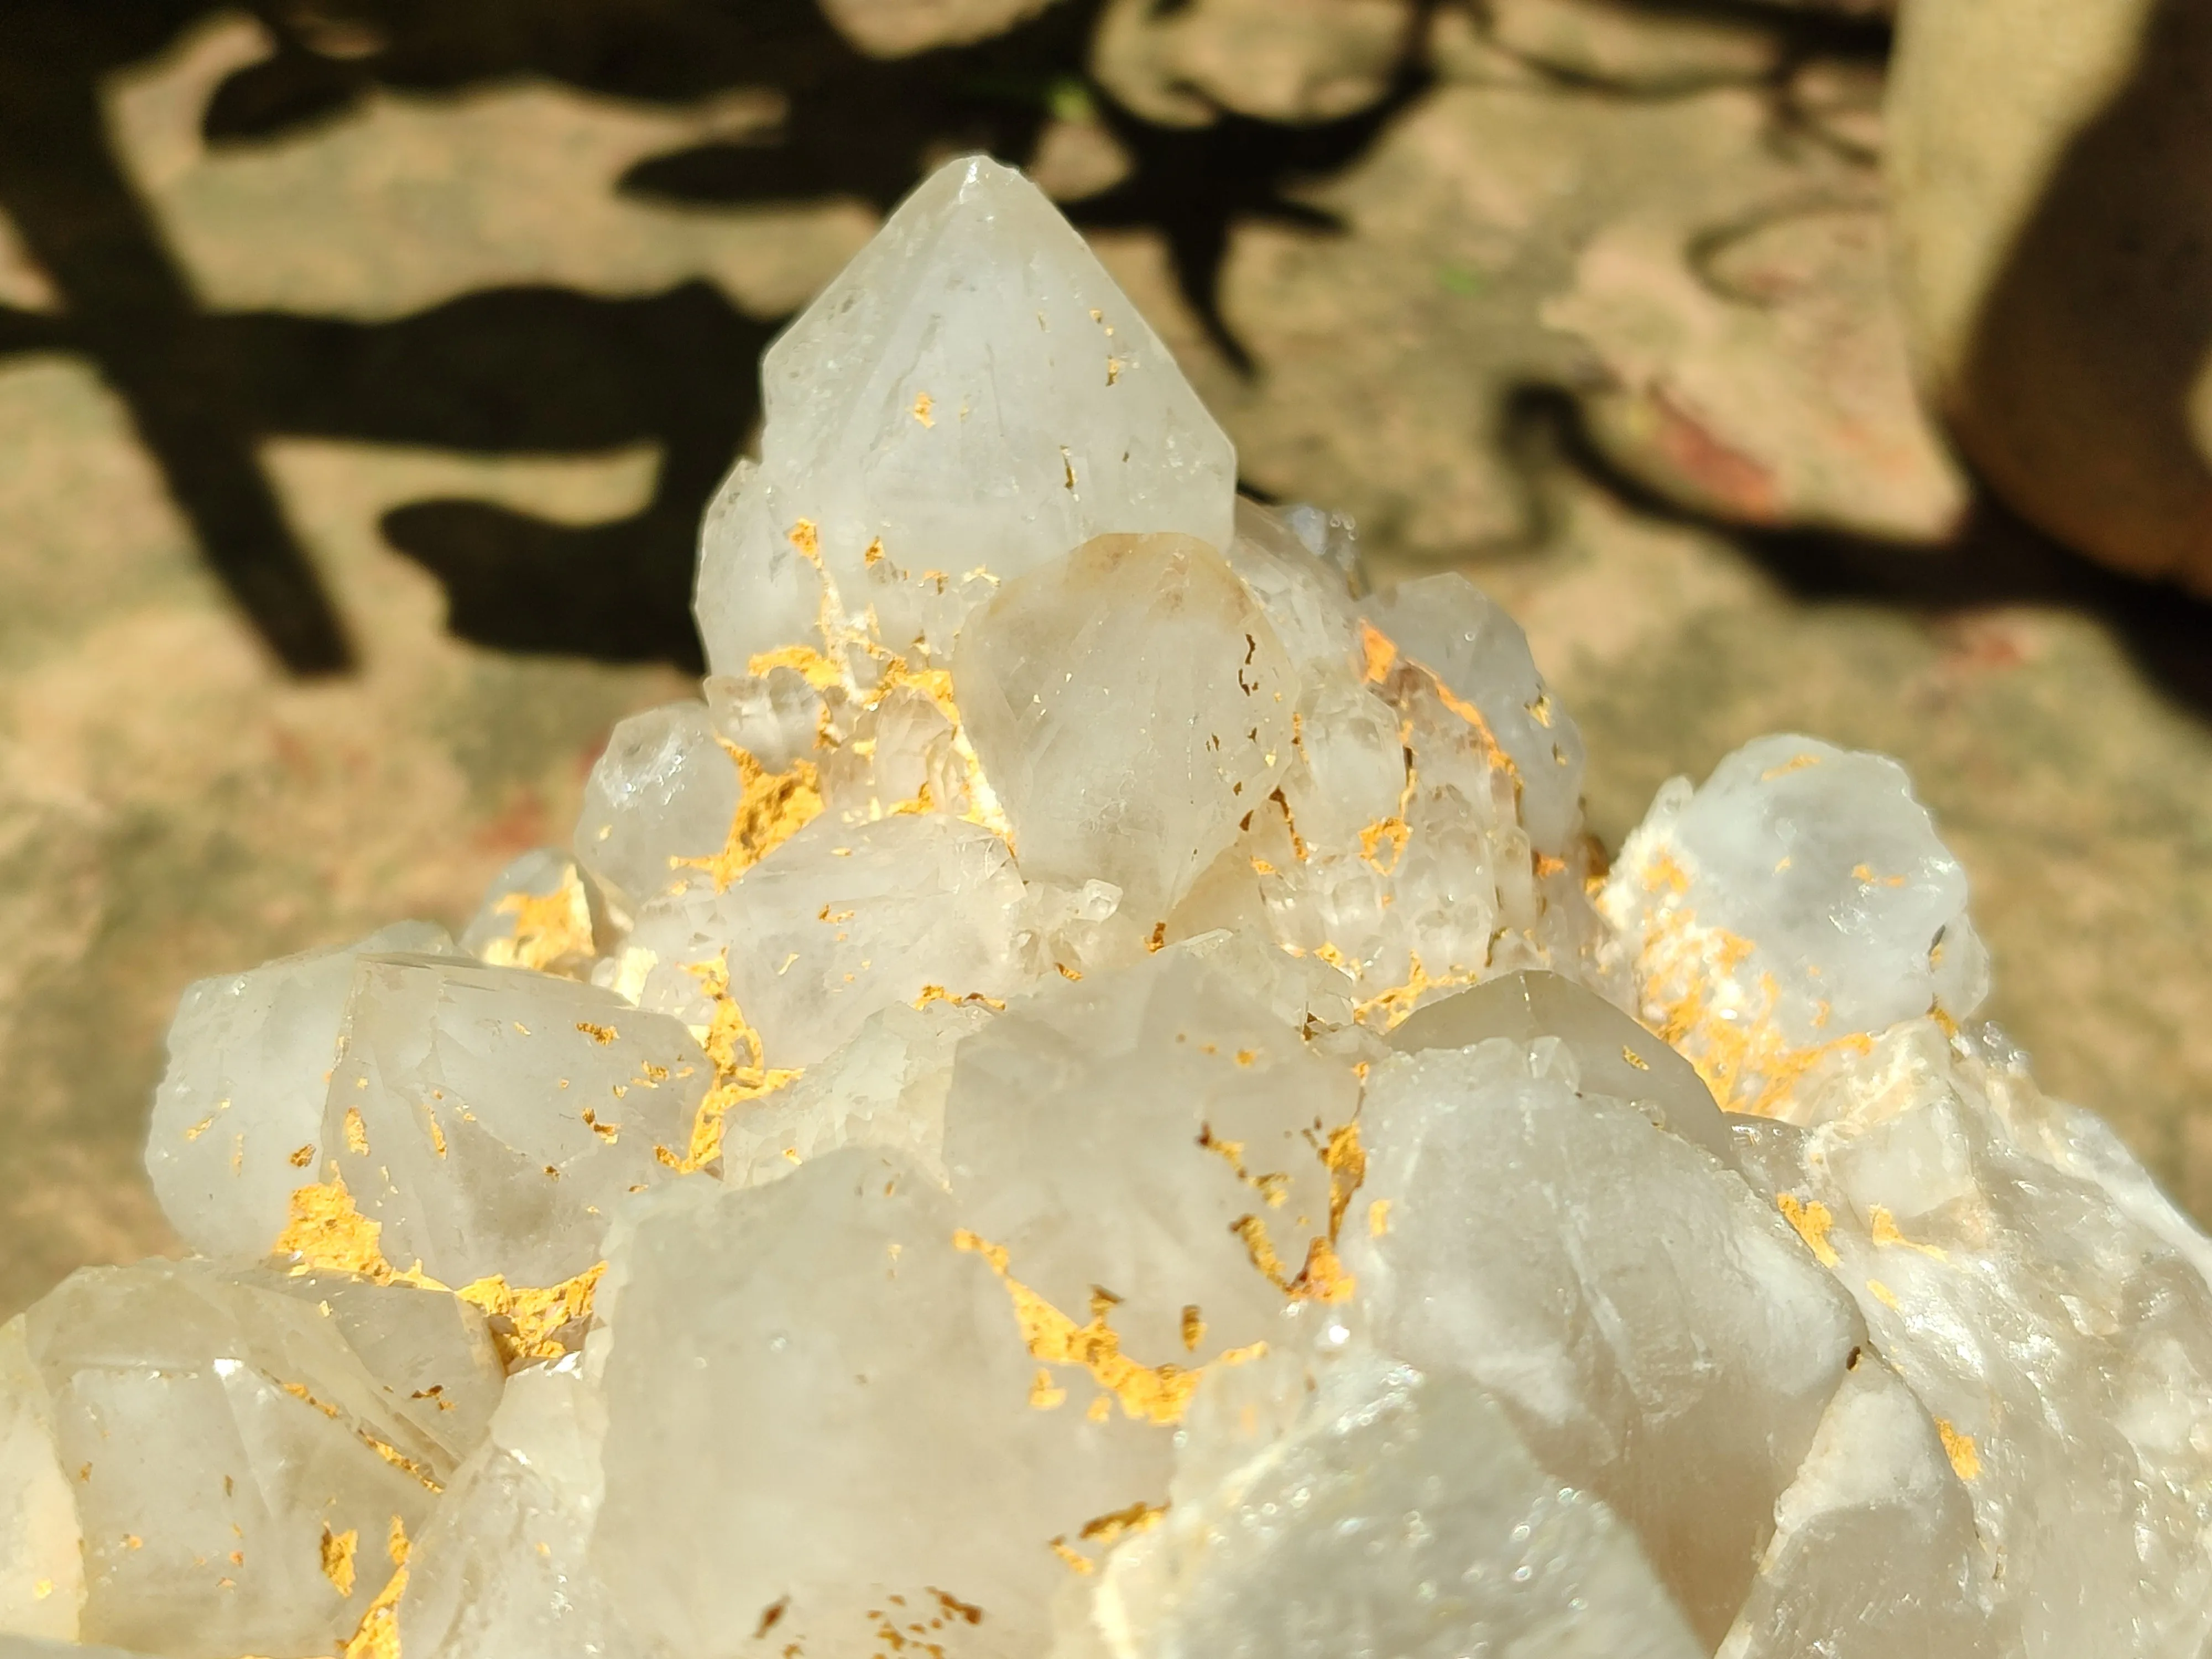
[1093,1099]
[238,1114]
[972,398]
[489,1119]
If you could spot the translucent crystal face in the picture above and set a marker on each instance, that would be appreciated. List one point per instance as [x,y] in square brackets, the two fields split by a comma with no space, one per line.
[1093,1099]
[1132,707]
[239,1115]
[489,1121]
[970,400]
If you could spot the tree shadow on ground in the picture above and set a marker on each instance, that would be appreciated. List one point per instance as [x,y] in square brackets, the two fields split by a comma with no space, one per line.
[1996,559]
[534,369]
[537,369]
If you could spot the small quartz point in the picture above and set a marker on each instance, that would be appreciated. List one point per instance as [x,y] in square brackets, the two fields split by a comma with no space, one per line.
[539,913]
[1651,1324]
[886,1088]
[1130,705]
[972,393]
[1402,1517]
[822,1344]
[488,1119]
[235,1467]
[843,920]
[238,1118]
[1800,898]
[431,1354]
[1479,655]
[1613,1055]
[663,791]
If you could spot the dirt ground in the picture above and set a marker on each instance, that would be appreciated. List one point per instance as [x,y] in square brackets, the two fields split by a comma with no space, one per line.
[477,333]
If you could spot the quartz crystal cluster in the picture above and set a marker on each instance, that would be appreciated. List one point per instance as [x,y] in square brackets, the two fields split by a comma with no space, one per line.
[1093,1100]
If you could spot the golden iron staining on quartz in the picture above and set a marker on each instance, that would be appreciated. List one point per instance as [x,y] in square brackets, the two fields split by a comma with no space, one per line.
[337,1553]
[772,807]
[327,1234]
[1155,1394]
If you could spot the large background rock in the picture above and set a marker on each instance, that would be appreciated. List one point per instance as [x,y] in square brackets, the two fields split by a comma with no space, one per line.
[2052,165]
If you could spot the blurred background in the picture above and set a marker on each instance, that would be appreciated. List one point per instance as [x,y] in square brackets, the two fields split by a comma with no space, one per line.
[365,364]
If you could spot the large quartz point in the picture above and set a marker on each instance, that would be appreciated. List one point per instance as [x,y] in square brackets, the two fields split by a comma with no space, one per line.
[1653,1326]
[971,397]
[238,1119]
[488,1119]
[238,1474]
[2049,1309]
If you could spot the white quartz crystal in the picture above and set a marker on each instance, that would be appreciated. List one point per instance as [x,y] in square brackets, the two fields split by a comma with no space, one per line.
[1798,899]
[238,1121]
[1874,1555]
[501,1573]
[1478,653]
[2046,1306]
[663,791]
[1157,1134]
[239,1475]
[823,1344]
[1651,1323]
[885,1088]
[842,922]
[1095,1100]
[1400,1518]
[970,400]
[488,1118]
[1131,706]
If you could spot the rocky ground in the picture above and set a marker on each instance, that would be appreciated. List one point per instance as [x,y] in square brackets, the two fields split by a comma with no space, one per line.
[1588,298]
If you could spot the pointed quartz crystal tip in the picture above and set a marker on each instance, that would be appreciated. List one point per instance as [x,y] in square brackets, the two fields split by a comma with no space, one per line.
[972,393]
[1613,1055]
